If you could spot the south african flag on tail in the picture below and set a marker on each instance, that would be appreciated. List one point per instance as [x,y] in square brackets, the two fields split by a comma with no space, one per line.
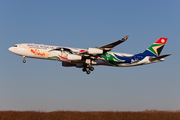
[156,48]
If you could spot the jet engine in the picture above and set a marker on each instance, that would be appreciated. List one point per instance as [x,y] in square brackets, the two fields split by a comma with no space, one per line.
[74,57]
[94,51]
[67,64]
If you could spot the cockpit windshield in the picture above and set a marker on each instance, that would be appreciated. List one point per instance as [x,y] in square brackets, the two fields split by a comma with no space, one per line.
[15,46]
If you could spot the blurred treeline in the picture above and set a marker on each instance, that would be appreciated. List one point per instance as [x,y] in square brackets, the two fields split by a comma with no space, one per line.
[100,115]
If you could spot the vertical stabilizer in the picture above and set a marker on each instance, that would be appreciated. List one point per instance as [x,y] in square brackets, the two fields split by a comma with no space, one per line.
[156,48]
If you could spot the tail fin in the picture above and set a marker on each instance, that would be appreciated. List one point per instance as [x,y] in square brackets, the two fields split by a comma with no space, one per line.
[156,48]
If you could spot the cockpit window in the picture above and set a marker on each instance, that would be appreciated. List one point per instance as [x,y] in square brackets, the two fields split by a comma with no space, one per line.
[15,45]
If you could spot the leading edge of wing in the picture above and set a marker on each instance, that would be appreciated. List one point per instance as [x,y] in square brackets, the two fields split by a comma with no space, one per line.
[113,44]
[107,47]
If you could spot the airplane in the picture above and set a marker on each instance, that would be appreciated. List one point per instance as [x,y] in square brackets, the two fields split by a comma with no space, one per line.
[92,56]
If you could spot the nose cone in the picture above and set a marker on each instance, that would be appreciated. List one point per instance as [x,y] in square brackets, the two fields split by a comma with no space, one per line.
[14,50]
[10,49]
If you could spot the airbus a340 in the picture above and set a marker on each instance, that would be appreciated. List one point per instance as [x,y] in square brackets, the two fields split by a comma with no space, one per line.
[87,58]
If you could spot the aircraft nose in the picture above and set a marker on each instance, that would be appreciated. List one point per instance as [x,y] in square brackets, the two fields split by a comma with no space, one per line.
[10,49]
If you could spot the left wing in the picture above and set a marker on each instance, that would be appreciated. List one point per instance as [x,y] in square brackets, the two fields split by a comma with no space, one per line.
[105,48]
[113,44]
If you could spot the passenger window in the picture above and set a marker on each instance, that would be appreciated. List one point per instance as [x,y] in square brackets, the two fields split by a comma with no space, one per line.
[15,45]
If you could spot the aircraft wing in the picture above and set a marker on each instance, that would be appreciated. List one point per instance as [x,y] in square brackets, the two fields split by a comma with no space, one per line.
[113,44]
[103,49]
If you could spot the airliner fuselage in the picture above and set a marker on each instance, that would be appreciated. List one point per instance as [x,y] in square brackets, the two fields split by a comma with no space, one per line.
[86,58]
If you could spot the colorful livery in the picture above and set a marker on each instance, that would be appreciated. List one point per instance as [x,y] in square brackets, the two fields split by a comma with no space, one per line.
[87,58]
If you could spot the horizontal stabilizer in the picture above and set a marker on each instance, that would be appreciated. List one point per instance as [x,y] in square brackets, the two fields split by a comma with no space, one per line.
[158,58]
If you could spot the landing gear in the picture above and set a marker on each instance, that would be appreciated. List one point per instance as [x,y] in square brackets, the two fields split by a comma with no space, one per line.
[84,69]
[87,67]
[91,68]
[88,71]
[24,61]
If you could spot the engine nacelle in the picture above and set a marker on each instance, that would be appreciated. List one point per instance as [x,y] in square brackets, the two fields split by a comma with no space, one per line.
[67,64]
[74,57]
[94,51]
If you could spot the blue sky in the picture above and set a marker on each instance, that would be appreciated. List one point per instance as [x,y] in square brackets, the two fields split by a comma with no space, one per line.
[47,86]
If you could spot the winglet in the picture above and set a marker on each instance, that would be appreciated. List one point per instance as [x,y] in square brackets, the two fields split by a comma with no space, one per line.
[125,38]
